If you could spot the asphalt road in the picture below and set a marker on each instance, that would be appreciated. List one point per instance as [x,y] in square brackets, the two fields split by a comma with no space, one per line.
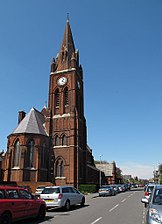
[124,208]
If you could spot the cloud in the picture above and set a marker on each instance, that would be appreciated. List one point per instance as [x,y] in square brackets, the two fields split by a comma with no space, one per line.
[142,171]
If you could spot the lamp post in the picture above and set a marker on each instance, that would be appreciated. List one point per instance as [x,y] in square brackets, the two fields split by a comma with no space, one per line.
[100,173]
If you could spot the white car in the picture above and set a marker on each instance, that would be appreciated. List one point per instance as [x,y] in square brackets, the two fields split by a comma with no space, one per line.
[39,190]
[148,190]
[62,196]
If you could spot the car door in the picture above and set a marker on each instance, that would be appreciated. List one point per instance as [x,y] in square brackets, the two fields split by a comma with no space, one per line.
[15,204]
[77,196]
[31,204]
[71,195]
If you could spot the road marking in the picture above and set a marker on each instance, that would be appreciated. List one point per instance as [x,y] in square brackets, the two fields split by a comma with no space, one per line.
[96,220]
[113,208]
[130,195]
[124,200]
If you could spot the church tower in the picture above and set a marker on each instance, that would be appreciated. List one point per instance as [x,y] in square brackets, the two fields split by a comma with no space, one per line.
[65,121]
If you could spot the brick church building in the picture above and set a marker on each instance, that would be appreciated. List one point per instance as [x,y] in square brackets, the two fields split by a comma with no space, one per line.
[51,145]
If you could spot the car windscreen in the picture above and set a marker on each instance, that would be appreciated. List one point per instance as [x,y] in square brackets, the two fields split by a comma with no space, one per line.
[40,188]
[105,186]
[51,190]
[150,188]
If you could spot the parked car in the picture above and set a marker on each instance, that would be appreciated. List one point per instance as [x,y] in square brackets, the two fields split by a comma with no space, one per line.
[39,190]
[154,208]
[106,190]
[17,204]
[62,196]
[116,188]
[120,187]
[148,190]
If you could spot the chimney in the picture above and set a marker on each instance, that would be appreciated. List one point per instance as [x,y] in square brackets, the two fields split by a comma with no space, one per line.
[21,116]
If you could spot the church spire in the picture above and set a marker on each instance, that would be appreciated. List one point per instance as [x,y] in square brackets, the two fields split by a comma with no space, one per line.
[67,49]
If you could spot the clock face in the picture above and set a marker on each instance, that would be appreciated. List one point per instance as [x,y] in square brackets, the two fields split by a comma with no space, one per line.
[62,81]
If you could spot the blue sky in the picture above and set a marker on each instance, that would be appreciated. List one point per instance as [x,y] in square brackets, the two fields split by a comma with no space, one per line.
[120,45]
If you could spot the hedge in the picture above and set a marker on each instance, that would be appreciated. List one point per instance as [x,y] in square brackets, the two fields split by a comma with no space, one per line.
[87,188]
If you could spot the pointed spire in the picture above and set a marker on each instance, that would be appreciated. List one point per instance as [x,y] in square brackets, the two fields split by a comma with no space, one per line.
[67,48]
[67,16]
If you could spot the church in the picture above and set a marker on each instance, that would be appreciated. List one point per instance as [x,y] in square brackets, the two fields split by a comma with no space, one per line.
[51,145]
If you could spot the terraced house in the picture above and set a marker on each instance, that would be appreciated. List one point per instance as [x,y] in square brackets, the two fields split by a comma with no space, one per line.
[51,145]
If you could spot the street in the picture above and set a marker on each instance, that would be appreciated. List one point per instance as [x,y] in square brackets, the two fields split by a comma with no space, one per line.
[124,208]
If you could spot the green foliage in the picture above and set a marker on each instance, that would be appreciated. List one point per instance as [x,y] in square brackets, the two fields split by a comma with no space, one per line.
[87,188]
[160,178]
[160,168]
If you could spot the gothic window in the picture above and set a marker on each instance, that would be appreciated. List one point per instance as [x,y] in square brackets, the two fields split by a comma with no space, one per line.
[43,156]
[59,168]
[66,98]
[16,154]
[64,141]
[57,99]
[56,140]
[30,154]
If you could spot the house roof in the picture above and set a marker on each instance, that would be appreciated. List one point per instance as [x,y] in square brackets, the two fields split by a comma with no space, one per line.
[32,123]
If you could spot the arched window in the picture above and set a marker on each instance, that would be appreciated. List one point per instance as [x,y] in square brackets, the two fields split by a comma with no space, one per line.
[56,140]
[66,97]
[57,99]
[30,154]
[16,154]
[43,156]
[64,142]
[59,168]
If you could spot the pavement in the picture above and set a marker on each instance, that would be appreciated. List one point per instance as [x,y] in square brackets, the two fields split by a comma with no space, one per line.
[91,195]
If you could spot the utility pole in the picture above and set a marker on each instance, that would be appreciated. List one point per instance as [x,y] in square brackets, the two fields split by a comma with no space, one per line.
[100,173]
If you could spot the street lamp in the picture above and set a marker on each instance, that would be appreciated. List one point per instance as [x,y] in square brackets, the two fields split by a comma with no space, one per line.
[100,173]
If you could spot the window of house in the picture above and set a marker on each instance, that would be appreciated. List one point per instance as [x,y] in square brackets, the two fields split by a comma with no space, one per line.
[57,99]
[64,142]
[66,97]
[30,154]
[56,140]
[59,168]
[16,154]
[43,156]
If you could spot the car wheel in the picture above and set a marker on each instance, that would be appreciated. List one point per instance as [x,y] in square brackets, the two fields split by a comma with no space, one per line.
[41,213]
[5,218]
[83,201]
[67,206]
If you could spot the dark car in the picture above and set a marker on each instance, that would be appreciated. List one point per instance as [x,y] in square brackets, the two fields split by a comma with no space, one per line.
[106,190]
[16,203]
[116,188]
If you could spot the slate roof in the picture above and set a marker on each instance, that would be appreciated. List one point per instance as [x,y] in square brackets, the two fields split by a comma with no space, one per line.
[32,123]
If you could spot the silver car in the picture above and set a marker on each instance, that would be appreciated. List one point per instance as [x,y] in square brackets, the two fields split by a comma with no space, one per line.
[154,208]
[62,196]
[106,190]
